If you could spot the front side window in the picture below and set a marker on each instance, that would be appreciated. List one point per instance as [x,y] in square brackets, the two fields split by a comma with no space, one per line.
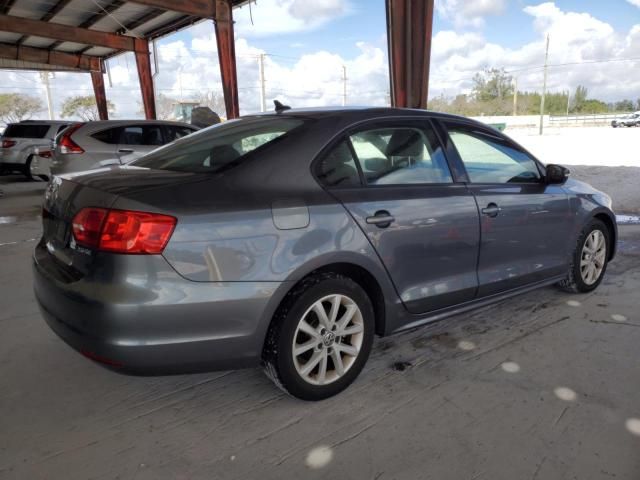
[489,160]
[400,156]
[213,148]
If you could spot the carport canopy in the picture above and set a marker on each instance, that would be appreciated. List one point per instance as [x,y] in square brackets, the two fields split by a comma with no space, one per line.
[79,35]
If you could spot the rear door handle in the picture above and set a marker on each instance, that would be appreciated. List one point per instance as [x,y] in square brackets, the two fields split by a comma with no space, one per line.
[491,210]
[381,219]
[125,150]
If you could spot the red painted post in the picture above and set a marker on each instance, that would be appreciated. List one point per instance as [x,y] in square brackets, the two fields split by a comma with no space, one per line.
[97,78]
[409,32]
[143,62]
[227,57]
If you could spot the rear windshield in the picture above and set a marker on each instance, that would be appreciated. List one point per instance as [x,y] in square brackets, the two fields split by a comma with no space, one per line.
[214,148]
[26,130]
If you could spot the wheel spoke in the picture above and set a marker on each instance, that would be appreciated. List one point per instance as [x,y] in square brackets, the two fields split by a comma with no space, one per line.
[335,306]
[584,263]
[347,316]
[308,329]
[337,362]
[318,308]
[348,349]
[351,330]
[322,372]
[311,364]
[305,347]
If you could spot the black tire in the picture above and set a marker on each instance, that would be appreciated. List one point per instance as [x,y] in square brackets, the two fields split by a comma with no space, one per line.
[27,168]
[277,354]
[574,282]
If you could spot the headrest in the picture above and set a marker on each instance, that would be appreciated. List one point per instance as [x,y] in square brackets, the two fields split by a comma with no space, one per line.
[405,143]
[377,165]
[223,154]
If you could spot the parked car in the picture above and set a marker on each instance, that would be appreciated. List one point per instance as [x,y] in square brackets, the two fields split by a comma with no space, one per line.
[20,142]
[85,146]
[290,239]
[631,120]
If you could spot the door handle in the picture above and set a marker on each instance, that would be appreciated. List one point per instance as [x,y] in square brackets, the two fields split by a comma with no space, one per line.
[125,150]
[491,210]
[381,219]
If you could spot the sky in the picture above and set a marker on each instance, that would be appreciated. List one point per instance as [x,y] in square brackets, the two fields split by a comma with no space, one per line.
[307,43]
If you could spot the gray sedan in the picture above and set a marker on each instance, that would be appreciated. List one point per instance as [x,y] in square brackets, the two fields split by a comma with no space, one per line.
[291,239]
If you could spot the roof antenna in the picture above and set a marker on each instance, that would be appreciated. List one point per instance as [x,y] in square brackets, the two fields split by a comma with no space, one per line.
[280,107]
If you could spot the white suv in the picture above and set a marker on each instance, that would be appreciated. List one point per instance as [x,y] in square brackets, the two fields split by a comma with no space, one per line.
[22,141]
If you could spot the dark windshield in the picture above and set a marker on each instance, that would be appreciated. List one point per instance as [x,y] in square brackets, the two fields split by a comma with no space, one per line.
[214,148]
[26,130]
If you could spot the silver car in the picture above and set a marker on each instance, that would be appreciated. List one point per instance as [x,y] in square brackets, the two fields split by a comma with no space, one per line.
[84,146]
[22,141]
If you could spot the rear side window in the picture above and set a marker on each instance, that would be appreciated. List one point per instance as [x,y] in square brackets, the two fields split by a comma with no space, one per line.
[174,133]
[141,135]
[489,160]
[26,130]
[214,148]
[109,136]
[400,156]
[338,167]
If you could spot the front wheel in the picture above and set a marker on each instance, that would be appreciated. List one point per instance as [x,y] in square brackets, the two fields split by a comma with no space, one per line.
[589,260]
[320,338]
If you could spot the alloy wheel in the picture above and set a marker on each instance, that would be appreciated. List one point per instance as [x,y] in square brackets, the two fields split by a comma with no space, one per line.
[593,257]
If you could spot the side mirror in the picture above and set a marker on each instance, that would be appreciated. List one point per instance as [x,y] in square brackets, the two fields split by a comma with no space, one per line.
[557,174]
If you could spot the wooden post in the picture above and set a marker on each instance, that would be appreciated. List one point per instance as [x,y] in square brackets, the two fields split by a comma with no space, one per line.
[97,79]
[227,57]
[143,62]
[409,31]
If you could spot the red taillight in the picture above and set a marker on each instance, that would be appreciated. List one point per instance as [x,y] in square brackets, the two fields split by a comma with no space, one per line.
[87,226]
[66,144]
[8,143]
[45,154]
[123,231]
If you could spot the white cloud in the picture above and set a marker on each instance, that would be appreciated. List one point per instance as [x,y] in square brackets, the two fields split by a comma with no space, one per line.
[469,12]
[277,17]
[634,2]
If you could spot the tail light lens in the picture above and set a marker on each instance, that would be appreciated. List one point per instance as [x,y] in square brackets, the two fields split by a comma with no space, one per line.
[67,145]
[8,143]
[123,231]
[45,154]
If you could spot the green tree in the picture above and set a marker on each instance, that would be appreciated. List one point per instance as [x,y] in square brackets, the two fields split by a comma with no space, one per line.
[579,98]
[83,107]
[624,106]
[17,106]
[492,84]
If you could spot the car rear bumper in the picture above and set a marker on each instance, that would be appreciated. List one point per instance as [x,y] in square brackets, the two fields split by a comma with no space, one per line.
[174,326]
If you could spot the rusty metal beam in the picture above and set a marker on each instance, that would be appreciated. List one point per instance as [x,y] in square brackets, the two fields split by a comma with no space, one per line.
[97,79]
[196,8]
[409,32]
[143,62]
[67,33]
[227,57]
[49,57]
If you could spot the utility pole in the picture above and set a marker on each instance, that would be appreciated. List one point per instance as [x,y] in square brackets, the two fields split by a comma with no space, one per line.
[515,96]
[544,85]
[263,97]
[45,80]
[568,100]
[344,86]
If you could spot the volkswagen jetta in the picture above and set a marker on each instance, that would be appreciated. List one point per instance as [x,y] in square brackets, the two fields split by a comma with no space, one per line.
[291,239]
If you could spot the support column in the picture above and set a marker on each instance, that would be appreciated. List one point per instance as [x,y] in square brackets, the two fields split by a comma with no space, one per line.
[227,57]
[409,32]
[143,62]
[97,78]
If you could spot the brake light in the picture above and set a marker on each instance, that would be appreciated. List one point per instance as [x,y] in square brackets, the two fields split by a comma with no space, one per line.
[123,231]
[67,145]
[8,143]
[45,154]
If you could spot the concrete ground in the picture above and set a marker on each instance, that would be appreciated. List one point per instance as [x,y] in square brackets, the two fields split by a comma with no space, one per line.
[543,386]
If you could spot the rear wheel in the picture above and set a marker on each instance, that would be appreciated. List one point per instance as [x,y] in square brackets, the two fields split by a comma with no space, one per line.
[589,260]
[321,337]
[27,168]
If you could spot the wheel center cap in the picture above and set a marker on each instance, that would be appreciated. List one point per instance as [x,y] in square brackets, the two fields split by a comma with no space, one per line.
[328,339]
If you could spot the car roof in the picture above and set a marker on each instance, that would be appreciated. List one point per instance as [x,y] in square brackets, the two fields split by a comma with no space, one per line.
[134,121]
[359,112]
[42,122]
